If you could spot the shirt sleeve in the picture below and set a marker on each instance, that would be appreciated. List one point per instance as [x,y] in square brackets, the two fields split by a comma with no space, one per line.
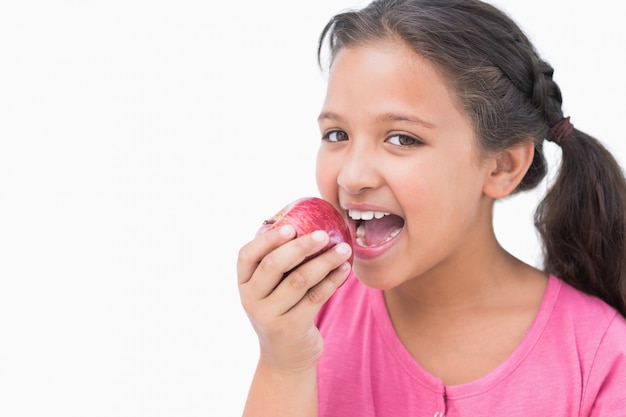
[605,392]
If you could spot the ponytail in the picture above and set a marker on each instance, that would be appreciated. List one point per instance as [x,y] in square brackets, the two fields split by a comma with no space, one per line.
[582,219]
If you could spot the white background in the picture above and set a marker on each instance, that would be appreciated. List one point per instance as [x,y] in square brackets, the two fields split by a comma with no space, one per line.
[143,142]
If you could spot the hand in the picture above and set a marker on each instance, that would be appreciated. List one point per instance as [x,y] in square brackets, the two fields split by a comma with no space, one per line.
[282,311]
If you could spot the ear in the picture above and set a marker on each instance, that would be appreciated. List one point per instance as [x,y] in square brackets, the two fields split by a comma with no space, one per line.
[507,168]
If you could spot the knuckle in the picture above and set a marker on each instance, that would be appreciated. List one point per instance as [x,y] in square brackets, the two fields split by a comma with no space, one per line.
[268,263]
[245,254]
[317,294]
[296,279]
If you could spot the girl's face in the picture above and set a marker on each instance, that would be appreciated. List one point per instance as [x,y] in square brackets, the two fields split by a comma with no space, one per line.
[399,156]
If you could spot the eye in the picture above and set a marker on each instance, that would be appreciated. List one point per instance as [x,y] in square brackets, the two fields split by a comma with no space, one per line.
[335,136]
[402,140]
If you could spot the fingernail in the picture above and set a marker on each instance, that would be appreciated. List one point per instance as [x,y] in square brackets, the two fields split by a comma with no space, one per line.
[342,248]
[344,267]
[319,236]
[285,230]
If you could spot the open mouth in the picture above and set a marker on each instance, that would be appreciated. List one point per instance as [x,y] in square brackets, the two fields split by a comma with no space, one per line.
[373,228]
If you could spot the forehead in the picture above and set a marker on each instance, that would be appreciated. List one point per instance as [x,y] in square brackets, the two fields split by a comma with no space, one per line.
[387,54]
[387,75]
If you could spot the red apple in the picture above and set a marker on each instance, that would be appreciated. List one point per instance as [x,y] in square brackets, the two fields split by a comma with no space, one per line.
[309,214]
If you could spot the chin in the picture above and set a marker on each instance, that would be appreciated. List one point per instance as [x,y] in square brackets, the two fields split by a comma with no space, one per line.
[374,277]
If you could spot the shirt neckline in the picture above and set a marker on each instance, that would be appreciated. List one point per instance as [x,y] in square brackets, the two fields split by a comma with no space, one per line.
[483,384]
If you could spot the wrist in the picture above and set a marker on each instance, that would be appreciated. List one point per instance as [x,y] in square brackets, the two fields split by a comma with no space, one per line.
[282,391]
[283,370]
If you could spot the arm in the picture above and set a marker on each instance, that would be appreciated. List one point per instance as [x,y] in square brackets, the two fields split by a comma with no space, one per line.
[276,393]
[282,313]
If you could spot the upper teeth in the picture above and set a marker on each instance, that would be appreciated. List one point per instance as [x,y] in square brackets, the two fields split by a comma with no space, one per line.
[366,215]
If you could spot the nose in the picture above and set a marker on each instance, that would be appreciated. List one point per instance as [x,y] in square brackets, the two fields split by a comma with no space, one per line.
[358,170]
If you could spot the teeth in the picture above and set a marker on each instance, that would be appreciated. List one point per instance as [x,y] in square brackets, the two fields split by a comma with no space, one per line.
[366,215]
[360,231]
[360,234]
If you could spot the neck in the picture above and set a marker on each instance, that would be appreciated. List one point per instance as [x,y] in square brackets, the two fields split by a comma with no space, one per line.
[477,277]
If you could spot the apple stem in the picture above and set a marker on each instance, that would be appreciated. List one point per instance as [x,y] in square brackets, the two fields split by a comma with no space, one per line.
[270,221]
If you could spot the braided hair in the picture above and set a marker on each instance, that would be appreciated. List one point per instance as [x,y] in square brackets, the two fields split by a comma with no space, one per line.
[509,93]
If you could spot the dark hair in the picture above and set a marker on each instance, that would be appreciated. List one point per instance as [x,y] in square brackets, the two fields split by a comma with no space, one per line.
[511,97]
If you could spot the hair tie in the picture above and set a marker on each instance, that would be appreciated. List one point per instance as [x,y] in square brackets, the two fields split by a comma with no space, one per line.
[560,131]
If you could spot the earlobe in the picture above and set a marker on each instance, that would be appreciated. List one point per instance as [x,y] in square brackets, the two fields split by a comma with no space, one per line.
[508,168]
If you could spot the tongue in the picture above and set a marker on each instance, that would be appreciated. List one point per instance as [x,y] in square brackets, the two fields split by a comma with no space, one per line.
[376,231]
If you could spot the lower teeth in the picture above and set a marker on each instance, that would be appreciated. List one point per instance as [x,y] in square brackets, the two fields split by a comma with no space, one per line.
[360,234]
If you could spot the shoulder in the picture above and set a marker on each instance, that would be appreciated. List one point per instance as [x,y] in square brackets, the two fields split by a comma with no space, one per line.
[599,337]
[583,325]
[606,379]
[583,309]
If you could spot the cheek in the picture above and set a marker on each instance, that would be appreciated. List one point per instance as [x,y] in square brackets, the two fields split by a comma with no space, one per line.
[441,189]
[444,202]
[325,176]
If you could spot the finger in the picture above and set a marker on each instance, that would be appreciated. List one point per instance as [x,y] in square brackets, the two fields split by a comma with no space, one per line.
[272,268]
[305,278]
[308,307]
[251,254]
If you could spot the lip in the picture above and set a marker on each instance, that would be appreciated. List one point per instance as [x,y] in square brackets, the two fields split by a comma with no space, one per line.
[369,252]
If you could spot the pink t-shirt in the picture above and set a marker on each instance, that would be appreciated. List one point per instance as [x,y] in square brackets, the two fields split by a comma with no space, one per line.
[572,362]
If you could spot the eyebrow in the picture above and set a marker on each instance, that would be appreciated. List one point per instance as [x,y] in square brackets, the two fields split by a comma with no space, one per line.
[386,117]
[327,115]
[398,117]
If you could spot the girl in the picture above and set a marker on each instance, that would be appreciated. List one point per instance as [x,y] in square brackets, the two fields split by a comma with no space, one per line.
[434,110]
